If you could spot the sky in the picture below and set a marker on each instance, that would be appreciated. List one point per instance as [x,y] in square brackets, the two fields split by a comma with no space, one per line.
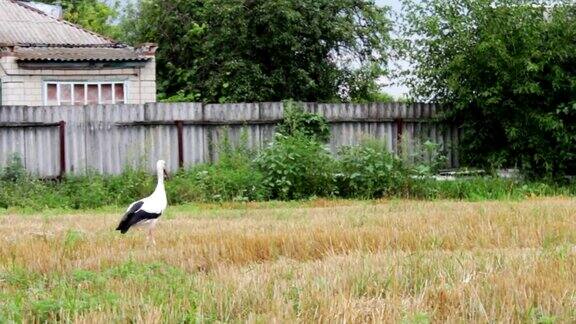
[395,4]
[395,90]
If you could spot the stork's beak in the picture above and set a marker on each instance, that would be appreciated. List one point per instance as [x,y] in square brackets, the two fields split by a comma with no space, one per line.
[165,174]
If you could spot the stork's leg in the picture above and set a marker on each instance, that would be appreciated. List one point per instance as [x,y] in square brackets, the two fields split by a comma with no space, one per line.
[151,236]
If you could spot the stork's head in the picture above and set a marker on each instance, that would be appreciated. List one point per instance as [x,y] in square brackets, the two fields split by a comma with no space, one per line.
[161,167]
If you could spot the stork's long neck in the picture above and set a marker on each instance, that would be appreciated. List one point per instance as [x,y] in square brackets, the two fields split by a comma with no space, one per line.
[160,186]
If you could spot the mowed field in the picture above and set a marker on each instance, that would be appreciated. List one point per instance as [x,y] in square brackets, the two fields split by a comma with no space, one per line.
[327,261]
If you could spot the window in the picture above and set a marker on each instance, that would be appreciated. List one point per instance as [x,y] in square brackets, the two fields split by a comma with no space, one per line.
[106,94]
[84,93]
[79,94]
[51,94]
[66,94]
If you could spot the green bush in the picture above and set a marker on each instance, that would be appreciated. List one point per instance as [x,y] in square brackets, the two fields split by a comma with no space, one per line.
[94,190]
[32,194]
[504,72]
[234,177]
[222,181]
[88,191]
[298,122]
[427,158]
[129,185]
[369,171]
[14,170]
[296,167]
[18,189]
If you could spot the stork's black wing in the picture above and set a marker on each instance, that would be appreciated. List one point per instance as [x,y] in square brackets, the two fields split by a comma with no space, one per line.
[133,216]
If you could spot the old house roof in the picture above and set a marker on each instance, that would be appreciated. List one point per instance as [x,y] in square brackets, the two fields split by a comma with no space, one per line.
[34,35]
[77,54]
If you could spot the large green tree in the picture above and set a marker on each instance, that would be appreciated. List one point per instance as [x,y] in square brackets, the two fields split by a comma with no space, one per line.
[506,71]
[264,50]
[95,15]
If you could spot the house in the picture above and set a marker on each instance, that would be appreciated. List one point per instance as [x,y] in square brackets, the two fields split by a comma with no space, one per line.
[47,61]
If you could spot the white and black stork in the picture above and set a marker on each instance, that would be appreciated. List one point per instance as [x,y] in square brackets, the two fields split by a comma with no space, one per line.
[145,212]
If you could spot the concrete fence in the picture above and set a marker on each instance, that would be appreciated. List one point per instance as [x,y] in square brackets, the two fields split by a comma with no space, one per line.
[53,141]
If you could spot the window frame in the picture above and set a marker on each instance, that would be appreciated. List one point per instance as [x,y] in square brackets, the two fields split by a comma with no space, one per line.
[85,84]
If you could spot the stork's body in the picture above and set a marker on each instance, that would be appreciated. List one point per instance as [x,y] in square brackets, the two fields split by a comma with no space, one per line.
[145,212]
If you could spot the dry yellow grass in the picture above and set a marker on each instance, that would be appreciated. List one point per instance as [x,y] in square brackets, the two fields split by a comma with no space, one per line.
[348,262]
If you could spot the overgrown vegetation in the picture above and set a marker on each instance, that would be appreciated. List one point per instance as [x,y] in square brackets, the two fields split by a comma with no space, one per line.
[18,189]
[295,165]
[369,171]
[504,70]
[299,122]
[232,178]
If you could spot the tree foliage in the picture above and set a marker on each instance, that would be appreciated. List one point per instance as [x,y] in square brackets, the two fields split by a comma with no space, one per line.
[506,71]
[94,15]
[263,50]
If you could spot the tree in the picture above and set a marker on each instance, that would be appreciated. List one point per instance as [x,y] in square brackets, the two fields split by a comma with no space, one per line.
[263,50]
[505,71]
[94,15]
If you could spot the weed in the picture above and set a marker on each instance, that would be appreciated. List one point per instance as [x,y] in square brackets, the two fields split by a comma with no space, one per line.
[296,167]
[298,122]
[369,171]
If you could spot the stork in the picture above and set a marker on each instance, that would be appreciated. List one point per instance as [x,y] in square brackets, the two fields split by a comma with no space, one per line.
[145,212]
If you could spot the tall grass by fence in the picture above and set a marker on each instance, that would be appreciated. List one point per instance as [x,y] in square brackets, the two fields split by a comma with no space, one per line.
[106,138]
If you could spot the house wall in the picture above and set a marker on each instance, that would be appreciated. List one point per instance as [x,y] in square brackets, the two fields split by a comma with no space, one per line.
[26,86]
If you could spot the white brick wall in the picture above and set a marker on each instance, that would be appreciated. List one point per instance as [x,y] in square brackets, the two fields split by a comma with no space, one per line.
[26,86]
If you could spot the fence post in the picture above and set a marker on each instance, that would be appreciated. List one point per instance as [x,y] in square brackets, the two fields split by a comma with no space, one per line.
[180,127]
[62,129]
[399,129]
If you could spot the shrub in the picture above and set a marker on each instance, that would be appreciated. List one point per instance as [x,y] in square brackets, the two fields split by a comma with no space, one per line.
[233,177]
[427,158]
[217,182]
[369,171]
[297,121]
[87,191]
[14,170]
[292,167]
[132,183]
[18,189]
[296,167]
[32,194]
[503,71]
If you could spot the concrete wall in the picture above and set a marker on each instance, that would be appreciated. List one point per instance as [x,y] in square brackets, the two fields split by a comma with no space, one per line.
[26,86]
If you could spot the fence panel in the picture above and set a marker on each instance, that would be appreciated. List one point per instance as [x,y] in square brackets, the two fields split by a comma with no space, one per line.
[109,138]
[30,133]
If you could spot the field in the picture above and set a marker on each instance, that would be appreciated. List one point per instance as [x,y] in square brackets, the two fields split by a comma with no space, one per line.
[321,260]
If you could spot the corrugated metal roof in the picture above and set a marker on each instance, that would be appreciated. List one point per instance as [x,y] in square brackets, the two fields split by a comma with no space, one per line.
[77,54]
[23,25]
